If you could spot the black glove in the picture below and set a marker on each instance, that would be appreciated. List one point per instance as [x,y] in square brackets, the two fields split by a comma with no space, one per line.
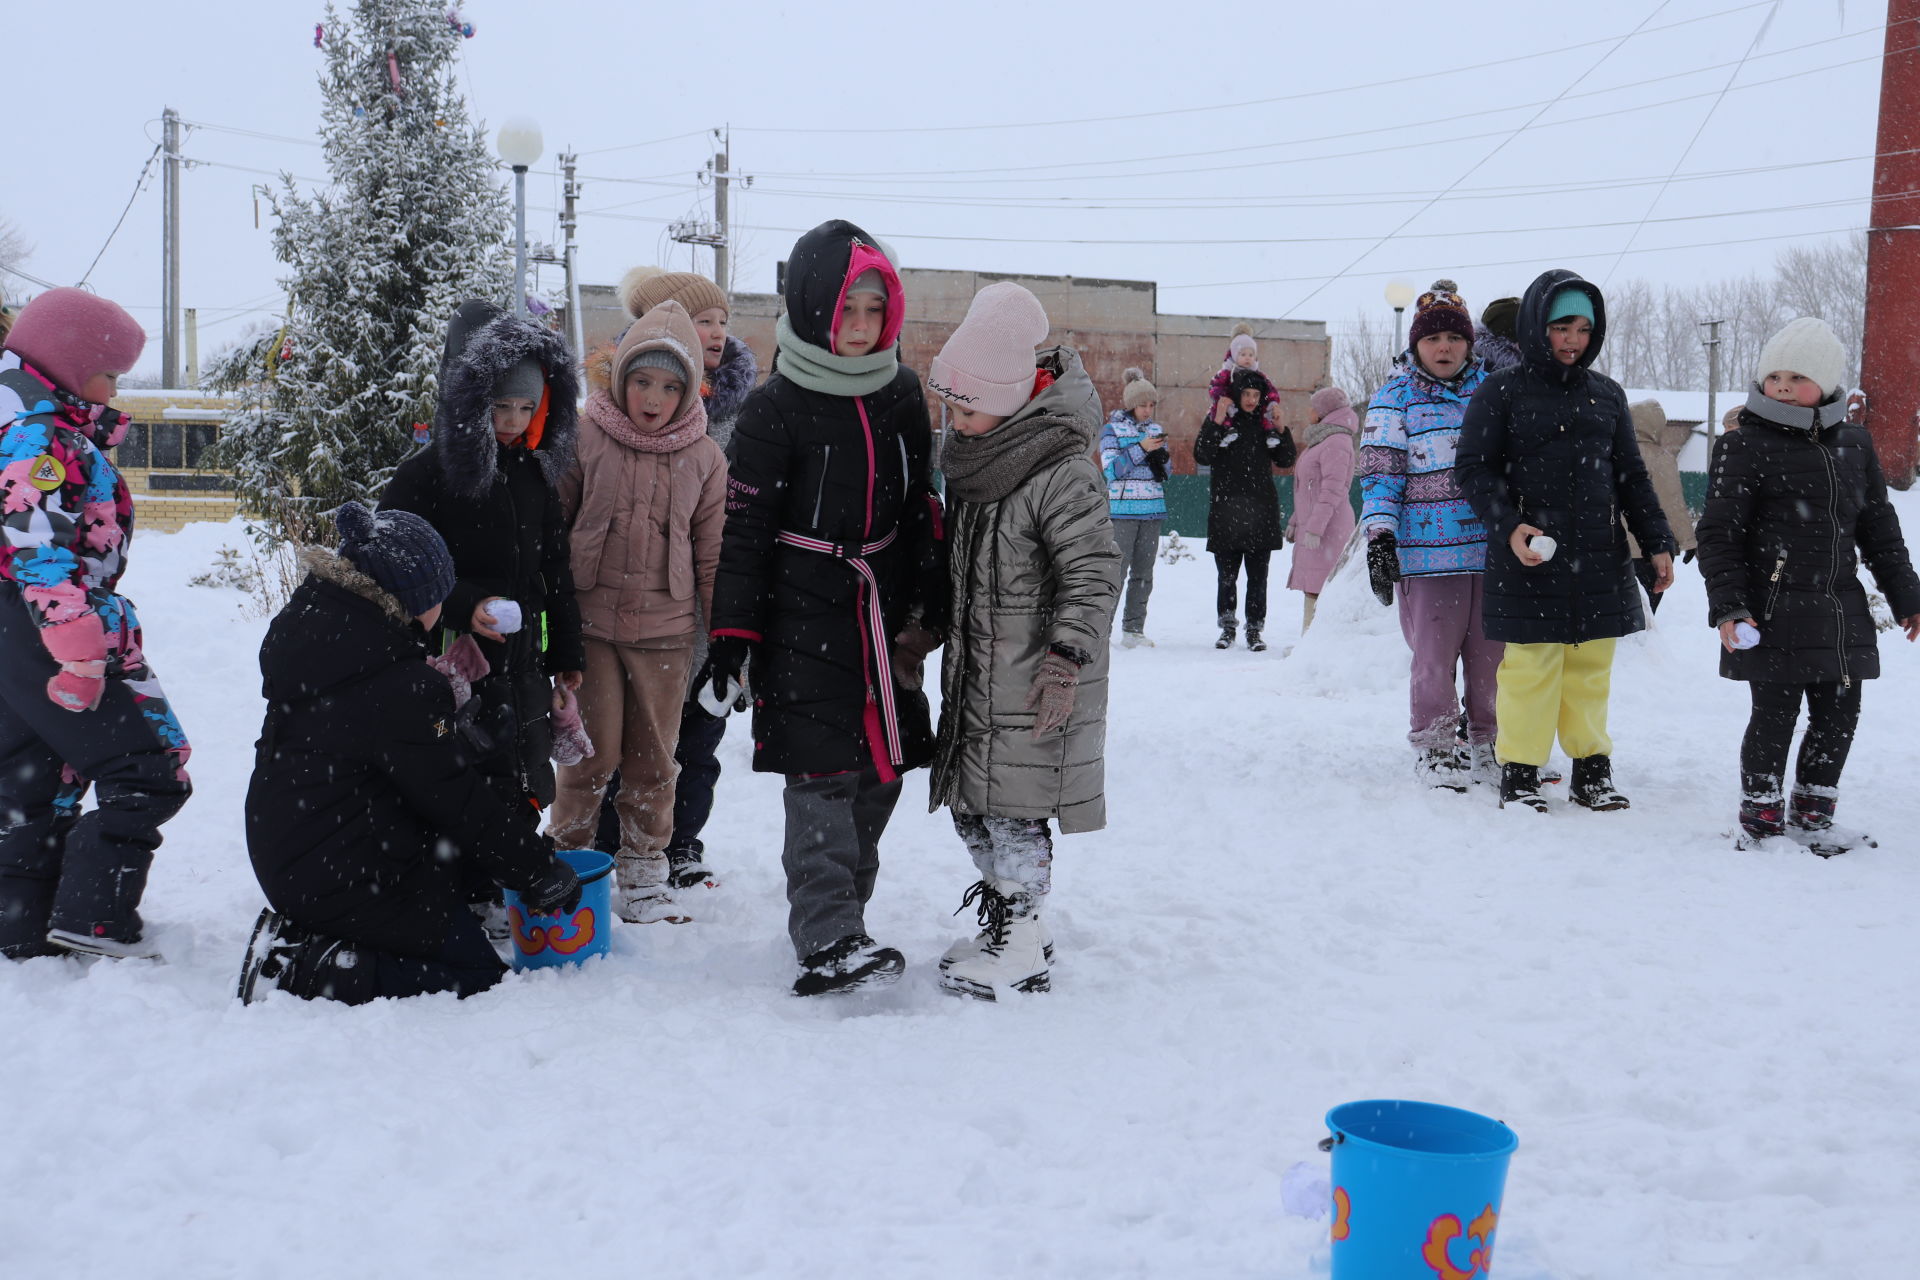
[726,659]
[1383,566]
[1280,447]
[1688,557]
[555,893]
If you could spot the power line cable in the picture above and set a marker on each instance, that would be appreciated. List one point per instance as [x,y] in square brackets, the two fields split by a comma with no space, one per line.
[1687,150]
[1394,82]
[651,142]
[139,185]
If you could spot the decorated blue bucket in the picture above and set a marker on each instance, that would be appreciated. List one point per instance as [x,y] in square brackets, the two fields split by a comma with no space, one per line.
[1416,1190]
[540,942]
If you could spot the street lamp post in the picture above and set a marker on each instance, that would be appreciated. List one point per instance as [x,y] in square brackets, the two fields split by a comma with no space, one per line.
[519,143]
[1399,296]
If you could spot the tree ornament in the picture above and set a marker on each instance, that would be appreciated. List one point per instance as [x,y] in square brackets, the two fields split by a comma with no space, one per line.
[319,34]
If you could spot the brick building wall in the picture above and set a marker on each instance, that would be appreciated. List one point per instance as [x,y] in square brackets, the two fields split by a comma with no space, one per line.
[163,458]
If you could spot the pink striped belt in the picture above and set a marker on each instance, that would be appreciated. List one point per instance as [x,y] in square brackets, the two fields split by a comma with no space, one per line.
[874,644]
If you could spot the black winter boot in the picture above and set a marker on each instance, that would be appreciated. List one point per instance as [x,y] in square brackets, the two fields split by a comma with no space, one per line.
[854,962]
[1229,627]
[1811,823]
[1762,817]
[1593,785]
[1520,785]
[1254,642]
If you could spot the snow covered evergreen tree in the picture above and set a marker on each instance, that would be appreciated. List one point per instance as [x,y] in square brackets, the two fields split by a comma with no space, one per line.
[415,221]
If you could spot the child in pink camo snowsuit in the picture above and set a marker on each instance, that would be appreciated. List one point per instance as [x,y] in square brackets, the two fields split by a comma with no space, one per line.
[79,705]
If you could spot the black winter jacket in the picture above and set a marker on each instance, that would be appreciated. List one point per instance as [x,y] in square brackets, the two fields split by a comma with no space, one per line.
[502,522]
[364,797]
[1553,446]
[1790,495]
[1243,507]
[848,471]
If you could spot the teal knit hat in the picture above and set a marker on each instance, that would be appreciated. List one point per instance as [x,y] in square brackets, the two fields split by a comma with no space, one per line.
[1570,302]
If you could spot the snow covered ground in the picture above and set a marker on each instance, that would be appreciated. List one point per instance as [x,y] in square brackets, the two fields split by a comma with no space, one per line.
[1708,1055]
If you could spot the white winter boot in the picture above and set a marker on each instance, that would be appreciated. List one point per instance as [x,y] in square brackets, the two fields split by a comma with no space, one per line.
[640,891]
[978,897]
[1483,765]
[1012,954]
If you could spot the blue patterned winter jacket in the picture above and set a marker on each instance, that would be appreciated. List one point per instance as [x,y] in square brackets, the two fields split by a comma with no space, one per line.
[1135,489]
[1407,482]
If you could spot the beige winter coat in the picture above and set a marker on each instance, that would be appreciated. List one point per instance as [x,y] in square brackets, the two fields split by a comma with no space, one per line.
[1660,444]
[638,575]
[1037,568]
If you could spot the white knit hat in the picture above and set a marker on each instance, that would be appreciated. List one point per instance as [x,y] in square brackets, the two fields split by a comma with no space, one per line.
[1809,347]
[987,363]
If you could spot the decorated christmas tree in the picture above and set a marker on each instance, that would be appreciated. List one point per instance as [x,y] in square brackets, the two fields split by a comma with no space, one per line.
[415,220]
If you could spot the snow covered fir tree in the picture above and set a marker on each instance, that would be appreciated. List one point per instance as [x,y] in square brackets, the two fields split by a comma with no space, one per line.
[414,221]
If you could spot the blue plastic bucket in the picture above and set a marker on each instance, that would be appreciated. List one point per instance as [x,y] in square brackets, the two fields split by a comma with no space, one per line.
[540,942]
[1416,1190]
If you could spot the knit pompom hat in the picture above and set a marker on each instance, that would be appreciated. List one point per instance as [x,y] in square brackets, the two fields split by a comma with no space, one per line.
[1242,340]
[1809,347]
[1440,310]
[668,330]
[644,288]
[1135,390]
[71,335]
[398,550]
[1328,399]
[987,364]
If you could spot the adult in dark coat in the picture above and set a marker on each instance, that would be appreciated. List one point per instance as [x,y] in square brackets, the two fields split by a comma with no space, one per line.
[1243,507]
[831,553]
[493,502]
[1791,495]
[1548,447]
[366,803]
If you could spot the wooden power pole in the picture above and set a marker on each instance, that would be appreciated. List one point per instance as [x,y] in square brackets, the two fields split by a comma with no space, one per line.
[1890,362]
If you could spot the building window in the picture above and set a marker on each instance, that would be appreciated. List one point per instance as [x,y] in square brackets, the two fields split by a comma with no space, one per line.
[200,437]
[132,449]
[164,446]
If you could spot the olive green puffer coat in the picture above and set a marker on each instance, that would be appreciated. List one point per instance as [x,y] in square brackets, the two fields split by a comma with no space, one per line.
[1035,569]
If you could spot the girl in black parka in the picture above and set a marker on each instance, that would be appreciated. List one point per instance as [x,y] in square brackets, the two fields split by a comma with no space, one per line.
[831,552]
[1548,448]
[1243,508]
[503,435]
[1790,495]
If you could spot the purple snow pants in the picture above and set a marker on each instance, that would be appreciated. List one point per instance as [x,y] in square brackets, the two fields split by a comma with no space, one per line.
[1440,617]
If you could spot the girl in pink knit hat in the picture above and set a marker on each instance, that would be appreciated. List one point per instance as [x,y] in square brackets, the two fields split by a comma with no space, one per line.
[79,706]
[1035,576]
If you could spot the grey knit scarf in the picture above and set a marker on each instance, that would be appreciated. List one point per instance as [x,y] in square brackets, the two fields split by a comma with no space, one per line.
[987,468]
[818,369]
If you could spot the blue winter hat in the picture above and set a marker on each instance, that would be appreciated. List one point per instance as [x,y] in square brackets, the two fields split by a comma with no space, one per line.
[1570,302]
[398,550]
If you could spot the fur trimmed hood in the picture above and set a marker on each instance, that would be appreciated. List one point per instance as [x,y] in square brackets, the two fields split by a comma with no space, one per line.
[482,344]
[330,566]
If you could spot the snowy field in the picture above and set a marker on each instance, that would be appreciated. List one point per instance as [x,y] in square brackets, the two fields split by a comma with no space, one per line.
[1709,1056]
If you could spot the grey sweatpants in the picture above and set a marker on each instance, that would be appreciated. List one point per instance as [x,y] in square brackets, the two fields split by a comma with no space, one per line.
[1139,543]
[1015,849]
[832,853]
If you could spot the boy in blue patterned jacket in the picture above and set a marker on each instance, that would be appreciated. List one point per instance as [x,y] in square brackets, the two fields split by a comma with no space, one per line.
[1422,534]
[79,705]
[1133,456]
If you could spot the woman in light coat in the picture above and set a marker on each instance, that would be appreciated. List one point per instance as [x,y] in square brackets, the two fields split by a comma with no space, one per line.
[1322,496]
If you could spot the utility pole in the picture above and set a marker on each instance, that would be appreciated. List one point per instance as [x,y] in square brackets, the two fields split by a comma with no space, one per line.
[1890,360]
[170,252]
[576,323]
[721,163]
[193,347]
[1713,381]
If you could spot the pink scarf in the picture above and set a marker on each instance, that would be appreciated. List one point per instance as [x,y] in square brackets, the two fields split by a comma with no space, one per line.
[677,435]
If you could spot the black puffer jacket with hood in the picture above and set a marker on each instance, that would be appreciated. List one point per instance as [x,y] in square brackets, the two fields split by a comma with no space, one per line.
[846,471]
[1790,495]
[498,512]
[1553,446]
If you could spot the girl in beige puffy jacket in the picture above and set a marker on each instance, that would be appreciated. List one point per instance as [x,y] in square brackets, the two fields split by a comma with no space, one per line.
[1035,578]
[645,502]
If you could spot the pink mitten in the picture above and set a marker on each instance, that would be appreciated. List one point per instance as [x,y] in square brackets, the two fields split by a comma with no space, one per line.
[464,666]
[78,685]
[570,742]
[80,639]
[1051,696]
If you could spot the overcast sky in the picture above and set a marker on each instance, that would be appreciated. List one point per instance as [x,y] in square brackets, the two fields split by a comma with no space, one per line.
[982,134]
